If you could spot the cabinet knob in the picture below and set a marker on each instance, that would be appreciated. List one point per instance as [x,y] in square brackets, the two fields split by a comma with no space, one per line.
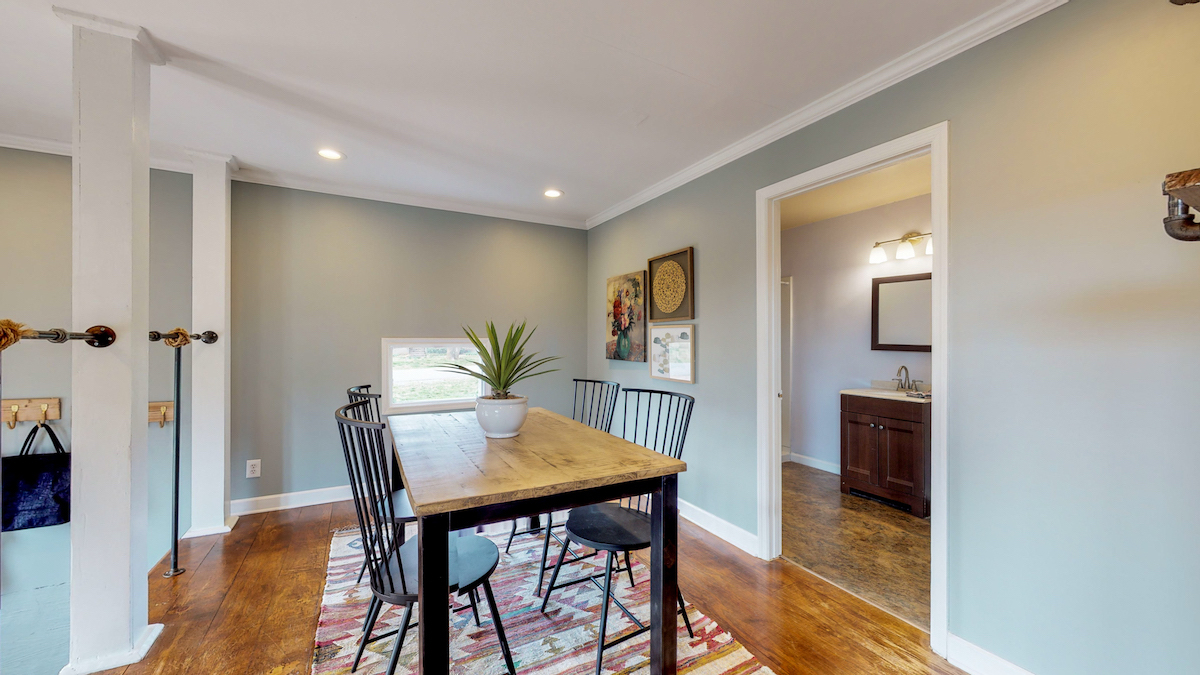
[872,426]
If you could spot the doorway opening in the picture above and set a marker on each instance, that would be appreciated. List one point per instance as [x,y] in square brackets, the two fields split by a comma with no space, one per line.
[855,498]
[895,470]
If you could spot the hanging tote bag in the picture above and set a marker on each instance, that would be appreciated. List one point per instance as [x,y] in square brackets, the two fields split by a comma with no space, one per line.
[37,488]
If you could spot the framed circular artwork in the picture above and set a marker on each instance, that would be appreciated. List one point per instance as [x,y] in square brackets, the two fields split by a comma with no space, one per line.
[671,293]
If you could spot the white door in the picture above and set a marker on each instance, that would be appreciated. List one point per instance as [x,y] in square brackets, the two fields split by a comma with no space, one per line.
[785,347]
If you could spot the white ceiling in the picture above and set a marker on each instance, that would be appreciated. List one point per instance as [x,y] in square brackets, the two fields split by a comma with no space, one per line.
[480,105]
[893,183]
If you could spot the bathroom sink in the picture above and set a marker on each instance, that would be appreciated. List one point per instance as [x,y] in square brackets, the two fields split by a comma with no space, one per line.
[886,390]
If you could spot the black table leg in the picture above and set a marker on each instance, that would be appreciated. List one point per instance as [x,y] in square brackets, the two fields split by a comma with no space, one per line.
[664,581]
[434,614]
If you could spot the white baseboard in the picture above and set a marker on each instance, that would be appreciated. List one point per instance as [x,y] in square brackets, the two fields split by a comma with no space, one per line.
[289,500]
[96,664]
[215,529]
[722,528]
[831,467]
[977,660]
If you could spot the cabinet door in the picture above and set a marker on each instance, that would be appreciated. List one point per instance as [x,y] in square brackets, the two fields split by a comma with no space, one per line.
[860,453]
[901,457]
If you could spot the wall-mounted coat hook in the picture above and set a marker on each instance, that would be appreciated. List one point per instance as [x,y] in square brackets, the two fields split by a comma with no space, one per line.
[39,410]
[161,412]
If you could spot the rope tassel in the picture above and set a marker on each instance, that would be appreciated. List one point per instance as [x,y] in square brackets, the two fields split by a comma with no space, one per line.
[11,333]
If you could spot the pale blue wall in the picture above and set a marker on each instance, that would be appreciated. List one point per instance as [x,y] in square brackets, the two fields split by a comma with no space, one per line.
[1073,323]
[319,280]
[35,219]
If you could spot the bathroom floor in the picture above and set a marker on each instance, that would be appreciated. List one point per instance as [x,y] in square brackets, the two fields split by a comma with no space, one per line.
[879,553]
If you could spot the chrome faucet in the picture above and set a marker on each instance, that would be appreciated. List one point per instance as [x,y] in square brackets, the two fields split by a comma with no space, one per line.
[905,383]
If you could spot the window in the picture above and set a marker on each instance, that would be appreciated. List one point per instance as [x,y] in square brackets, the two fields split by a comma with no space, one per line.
[414,382]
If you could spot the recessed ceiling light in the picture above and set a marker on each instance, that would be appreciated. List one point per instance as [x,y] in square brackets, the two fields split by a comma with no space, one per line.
[552,193]
[329,153]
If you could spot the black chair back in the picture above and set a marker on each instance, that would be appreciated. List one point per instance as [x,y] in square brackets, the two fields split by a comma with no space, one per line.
[595,403]
[657,420]
[371,414]
[367,465]
[363,393]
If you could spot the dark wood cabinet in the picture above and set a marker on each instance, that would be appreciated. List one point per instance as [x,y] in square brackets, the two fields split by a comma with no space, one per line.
[885,449]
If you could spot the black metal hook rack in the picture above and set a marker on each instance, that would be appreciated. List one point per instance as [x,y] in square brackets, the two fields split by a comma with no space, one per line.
[208,337]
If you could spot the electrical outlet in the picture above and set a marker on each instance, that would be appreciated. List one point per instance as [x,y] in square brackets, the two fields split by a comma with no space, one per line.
[253,468]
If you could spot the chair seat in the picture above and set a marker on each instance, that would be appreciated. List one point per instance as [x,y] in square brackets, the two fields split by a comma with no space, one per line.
[609,527]
[472,559]
[402,507]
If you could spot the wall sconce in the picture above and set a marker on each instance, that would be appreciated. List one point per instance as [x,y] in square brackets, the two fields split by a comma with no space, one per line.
[905,250]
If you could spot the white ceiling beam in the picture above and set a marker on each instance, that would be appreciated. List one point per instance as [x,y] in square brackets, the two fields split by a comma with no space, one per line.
[102,25]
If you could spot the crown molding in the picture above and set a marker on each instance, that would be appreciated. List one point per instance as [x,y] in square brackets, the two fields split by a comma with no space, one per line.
[32,144]
[395,197]
[98,23]
[980,29]
[170,163]
[202,155]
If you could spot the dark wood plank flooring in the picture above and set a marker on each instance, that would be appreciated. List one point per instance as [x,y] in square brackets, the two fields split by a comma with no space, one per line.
[249,602]
[873,550]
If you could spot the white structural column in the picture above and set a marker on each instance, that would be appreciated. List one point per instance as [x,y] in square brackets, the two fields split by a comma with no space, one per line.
[210,363]
[110,286]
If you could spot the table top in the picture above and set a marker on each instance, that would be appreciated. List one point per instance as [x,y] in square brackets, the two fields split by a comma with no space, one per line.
[449,465]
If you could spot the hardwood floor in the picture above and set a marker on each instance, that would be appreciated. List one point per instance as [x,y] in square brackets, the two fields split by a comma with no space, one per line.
[873,550]
[249,602]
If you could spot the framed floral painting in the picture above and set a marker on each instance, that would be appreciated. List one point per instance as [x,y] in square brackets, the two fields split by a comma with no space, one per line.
[625,338]
[673,352]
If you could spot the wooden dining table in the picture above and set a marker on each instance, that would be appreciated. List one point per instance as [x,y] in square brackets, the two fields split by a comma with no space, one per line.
[456,479]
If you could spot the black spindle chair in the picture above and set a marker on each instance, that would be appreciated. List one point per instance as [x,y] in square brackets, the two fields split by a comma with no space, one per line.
[393,562]
[370,413]
[594,404]
[657,420]
[404,512]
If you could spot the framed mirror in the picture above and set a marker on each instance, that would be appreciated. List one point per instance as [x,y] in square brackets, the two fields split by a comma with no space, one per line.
[902,313]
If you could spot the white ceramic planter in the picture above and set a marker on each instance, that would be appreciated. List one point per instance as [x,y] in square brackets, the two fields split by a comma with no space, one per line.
[501,418]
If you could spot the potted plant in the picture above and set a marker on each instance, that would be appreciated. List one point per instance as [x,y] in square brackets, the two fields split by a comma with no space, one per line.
[500,366]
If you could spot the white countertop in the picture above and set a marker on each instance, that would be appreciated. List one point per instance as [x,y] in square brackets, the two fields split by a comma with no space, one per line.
[890,394]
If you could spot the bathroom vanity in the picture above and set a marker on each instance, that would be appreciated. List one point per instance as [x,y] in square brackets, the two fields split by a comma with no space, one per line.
[886,446]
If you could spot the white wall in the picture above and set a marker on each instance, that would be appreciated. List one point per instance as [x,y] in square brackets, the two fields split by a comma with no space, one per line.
[831,291]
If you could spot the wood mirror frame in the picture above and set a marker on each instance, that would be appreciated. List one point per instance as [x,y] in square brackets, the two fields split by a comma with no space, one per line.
[875,345]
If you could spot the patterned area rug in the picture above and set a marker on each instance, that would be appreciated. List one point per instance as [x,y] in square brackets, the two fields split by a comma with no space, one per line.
[561,641]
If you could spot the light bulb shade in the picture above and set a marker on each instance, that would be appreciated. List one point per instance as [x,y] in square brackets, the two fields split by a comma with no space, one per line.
[878,255]
[929,246]
[905,250]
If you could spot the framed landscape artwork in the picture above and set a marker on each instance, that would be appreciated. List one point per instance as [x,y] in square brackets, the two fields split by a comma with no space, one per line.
[625,338]
[673,352]
[672,294]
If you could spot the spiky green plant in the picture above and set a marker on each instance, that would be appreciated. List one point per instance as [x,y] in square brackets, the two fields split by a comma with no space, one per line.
[502,366]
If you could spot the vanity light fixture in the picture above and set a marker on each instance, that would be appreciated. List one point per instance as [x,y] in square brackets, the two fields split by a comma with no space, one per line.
[905,250]
[878,255]
[330,153]
[553,193]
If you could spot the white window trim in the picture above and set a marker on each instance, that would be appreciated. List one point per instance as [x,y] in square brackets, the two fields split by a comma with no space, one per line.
[408,408]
